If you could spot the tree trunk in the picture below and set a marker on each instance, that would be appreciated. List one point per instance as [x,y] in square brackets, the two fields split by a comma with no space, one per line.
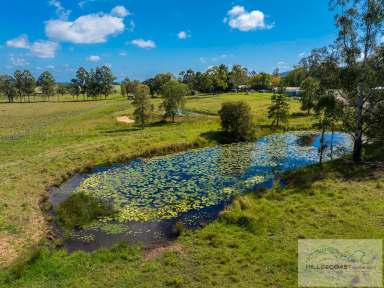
[322,145]
[333,132]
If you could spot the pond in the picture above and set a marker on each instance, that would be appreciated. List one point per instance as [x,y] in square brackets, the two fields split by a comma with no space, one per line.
[193,187]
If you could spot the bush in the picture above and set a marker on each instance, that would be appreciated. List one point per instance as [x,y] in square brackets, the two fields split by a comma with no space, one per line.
[236,121]
[80,209]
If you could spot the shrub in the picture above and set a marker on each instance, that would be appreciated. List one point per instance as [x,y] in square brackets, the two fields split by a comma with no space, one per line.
[80,209]
[236,121]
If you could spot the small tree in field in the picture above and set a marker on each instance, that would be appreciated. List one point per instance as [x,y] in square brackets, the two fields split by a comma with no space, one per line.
[236,120]
[278,111]
[174,94]
[142,103]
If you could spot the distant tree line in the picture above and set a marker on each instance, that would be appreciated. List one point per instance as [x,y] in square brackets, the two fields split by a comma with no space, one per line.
[217,79]
[93,84]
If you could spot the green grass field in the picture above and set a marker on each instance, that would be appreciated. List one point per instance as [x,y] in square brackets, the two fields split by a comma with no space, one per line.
[42,144]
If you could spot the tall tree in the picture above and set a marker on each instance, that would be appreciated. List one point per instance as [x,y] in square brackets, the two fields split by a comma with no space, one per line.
[238,76]
[278,111]
[47,83]
[61,90]
[220,78]
[328,115]
[82,80]
[142,104]
[261,81]
[7,87]
[174,94]
[106,80]
[360,23]
[311,90]
[74,89]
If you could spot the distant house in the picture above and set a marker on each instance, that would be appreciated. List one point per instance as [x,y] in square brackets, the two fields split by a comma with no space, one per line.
[293,91]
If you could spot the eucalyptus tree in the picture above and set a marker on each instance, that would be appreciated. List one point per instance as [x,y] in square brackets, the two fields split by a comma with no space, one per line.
[82,80]
[220,78]
[74,89]
[142,104]
[188,77]
[47,83]
[238,76]
[360,24]
[25,84]
[174,94]
[106,80]
[311,89]
[61,89]
[7,87]
[328,115]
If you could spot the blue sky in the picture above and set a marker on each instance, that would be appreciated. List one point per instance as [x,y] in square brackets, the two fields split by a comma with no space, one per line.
[141,38]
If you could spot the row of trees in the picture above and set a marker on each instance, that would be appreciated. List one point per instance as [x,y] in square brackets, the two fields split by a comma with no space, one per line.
[92,84]
[217,79]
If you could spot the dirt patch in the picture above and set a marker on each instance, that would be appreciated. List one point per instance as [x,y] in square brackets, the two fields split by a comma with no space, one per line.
[125,120]
[151,254]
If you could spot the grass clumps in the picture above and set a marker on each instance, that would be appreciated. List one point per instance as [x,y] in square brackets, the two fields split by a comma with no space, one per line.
[81,209]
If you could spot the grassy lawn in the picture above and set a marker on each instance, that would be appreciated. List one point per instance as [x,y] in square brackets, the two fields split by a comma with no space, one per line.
[253,243]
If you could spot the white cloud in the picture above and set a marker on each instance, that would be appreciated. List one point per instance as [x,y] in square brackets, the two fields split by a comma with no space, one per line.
[61,12]
[88,29]
[146,44]
[19,42]
[182,35]
[50,67]
[40,48]
[236,10]
[241,19]
[44,49]
[123,54]
[94,58]
[120,11]
[18,61]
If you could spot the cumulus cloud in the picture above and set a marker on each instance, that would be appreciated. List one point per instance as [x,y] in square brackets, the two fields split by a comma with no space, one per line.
[239,18]
[88,29]
[146,44]
[182,35]
[94,58]
[19,42]
[40,48]
[61,12]
[120,11]
[44,49]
